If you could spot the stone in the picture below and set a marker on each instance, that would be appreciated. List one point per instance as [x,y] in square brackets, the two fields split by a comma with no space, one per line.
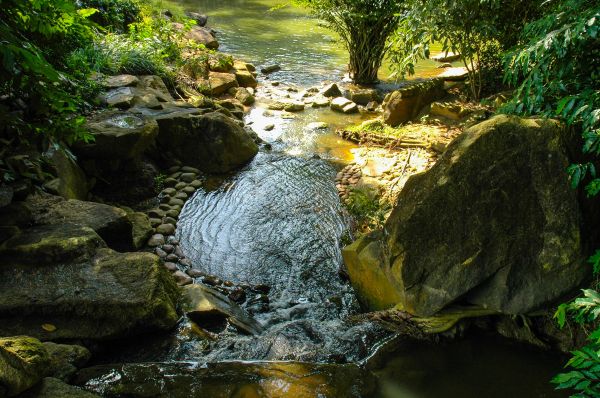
[317,126]
[141,229]
[245,78]
[160,253]
[182,279]
[156,240]
[180,185]
[188,177]
[189,169]
[493,224]
[190,189]
[23,362]
[117,135]
[405,104]
[103,296]
[331,90]
[72,182]
[221,82]
[195,273]
[202,304]
[16,214]
[172,267]
[157,213]
[165,229]
[293,106]
[172,258]
[454,74]
[201,19]
[172,213]
[212,142]
[54,388]
[344,105]
[120,81]
[362,96]
[243,95]
[320,102]
[170,182]
[111,223]
[449,110]
[65,359]
[230,379]
[121,97]
[447,56]
[200,35]
[270,69]
[169,220]
[168,192]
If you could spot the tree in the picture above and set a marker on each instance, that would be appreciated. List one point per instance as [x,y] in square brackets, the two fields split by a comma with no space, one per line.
[364,27]
[479,30]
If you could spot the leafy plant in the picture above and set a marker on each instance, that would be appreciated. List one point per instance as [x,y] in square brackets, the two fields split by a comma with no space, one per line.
[367,208]
[364,27]
[113,14]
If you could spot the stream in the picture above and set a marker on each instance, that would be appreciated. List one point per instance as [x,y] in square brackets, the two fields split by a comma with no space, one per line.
[279,222]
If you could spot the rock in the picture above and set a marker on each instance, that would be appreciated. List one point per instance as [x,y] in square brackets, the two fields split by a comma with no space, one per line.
[172,258]
[403,105]
[221,82]
[170,220]
[450,110]
[65,359]
[269,127]
[344,105]
[293,106]
[447,56]
[320,102]
[160,253]
[176,202]
[156,240]
[111,223]
[372,106]
[7,232]
[172,213]
[200,35]
[331,90]
[23,362]
[72,182]
[16,214]
[317,126]
[120,81]
[230,379]
[102,296]
[195,273]
[203,304]
[54,388]
[121,97]
[141,229]
[492,224]
[219,62]
[245,78]
[117,135]
[276,106]
[201,19]
[362,96]
[270,69]
[211,142]
[454,74]
[188,177]
[165,229]
[243,95]
[182,279]
[172,267]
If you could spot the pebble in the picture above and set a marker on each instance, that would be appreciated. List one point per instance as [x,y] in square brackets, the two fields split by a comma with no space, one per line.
[185,262]
[195,273]
[176,202]
[178,251]
[269,127]
[228,283]
[187,177]
[181,195]
[180,185]
[168,191]
[160,252]
[156,240]
[175,175]
[176,207]
[164,207]
[169,220]
[189,190]
[189,169]
[261,288]
[196,184]
[165,229]
[156,213]
[155,222]
[238,295]
[171,266]
[170,182]
[172,257]
[212,280]
[182,279]
[172,214]
[173,240]
[168,248]
[173,169]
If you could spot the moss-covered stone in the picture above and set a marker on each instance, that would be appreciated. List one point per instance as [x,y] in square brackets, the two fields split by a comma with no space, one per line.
[72,182]
[108,296]
[405,104]
[54,388]
[65,359]
[23,362]
[141,229]
[494,223]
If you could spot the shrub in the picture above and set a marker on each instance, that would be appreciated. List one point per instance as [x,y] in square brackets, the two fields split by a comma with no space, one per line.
[116,14]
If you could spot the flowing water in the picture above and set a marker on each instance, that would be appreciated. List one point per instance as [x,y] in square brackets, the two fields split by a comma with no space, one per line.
[279,222]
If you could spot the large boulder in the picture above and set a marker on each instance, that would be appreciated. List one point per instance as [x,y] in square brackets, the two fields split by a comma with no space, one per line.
[494,224]
[117,135]
[111,223]
[210,142]
[65,359]
[51,387]
[76,289]
[229,379]
[221,82]
[200,35]
[23,362]
[71,181]
[405,104]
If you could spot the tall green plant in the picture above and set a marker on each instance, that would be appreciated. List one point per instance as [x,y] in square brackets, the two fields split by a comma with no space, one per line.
[364,27]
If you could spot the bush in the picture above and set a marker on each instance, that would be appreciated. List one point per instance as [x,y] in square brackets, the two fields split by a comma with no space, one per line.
[116,14]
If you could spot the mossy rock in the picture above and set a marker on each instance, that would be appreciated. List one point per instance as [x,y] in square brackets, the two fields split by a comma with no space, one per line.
[51,387]
[23,362]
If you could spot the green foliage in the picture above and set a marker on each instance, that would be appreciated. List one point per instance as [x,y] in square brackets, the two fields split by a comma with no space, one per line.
[480,30]
[367,208]
[38,93]
[364,27]
[114,14]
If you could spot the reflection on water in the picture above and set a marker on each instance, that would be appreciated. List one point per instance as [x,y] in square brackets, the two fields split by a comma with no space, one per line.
[473,368]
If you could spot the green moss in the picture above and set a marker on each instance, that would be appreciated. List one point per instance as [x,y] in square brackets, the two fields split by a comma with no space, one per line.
[23,362]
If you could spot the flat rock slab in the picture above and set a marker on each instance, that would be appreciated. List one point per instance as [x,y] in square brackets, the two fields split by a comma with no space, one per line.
[109,295]
[229,379]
